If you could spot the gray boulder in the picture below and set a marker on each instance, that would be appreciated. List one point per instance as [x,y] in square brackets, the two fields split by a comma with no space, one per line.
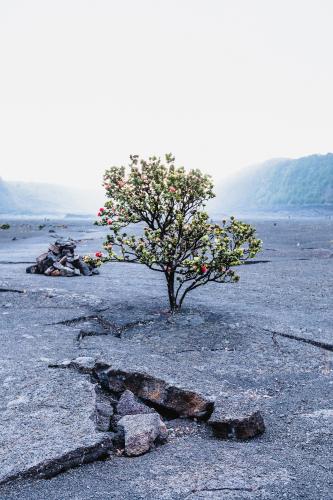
[141,432]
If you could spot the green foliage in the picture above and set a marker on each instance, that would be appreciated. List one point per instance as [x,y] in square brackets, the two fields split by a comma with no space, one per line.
[95,260]
[4,226]
[177,238]
[302,182]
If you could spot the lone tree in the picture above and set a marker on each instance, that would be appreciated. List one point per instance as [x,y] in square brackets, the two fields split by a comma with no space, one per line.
[177,238]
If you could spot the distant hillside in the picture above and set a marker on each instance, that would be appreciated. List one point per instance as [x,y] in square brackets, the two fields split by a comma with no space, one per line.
[303,182]
[38,198]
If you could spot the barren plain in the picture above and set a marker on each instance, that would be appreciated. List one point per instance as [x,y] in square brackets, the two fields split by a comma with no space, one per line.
[267,340]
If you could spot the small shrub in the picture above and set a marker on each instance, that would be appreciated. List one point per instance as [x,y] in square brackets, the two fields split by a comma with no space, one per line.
[178,239]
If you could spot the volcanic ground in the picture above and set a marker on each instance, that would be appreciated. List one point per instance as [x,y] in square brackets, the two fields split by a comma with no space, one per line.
[267,340]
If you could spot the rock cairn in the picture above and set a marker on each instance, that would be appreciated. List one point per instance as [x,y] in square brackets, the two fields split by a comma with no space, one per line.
[61,260]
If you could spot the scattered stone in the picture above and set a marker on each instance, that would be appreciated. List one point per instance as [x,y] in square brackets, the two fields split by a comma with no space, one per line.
[60,260]
[236,418]
[141,432]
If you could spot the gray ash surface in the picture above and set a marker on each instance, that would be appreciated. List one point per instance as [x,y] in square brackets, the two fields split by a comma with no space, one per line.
[267,339]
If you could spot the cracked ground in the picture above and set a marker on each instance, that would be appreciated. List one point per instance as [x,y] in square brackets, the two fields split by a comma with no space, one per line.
[267,338]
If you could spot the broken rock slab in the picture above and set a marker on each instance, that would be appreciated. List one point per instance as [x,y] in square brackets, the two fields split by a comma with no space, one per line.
[158,392]
[237,418]
[47,425]
[141,432]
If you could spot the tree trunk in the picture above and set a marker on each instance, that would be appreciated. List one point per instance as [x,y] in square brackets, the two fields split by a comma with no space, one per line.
[170,277]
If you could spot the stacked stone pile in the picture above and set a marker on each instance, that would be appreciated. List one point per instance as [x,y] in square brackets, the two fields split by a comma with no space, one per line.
[61,260]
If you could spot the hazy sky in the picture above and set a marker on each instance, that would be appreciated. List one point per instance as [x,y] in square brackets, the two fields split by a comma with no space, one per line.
[220,83]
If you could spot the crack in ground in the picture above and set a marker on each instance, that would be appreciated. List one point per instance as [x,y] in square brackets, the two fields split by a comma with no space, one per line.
[252,262]
[75,321]
[170,401]
[17,262]
[217,489]
[316,343]
[213,349]
[110,328]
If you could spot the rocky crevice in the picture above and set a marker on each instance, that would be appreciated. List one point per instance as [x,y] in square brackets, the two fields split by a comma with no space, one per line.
[132,411]
[119,391]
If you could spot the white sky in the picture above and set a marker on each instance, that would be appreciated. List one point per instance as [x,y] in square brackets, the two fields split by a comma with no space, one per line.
[220,83]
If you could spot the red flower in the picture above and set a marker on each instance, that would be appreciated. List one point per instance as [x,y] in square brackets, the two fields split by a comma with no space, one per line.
[102,209]
[172,189]
[98,254]
[109,221]
[204,268]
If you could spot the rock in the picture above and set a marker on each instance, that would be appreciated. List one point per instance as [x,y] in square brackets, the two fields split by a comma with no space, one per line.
[236,418]
[63,261]
[104,412]
[55,249]
[45,261]
[32,269]
[56,272]
[42,257]
[84,268]
[142,432]
[48,271]
[129,405]
[64,271]
[65,244]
